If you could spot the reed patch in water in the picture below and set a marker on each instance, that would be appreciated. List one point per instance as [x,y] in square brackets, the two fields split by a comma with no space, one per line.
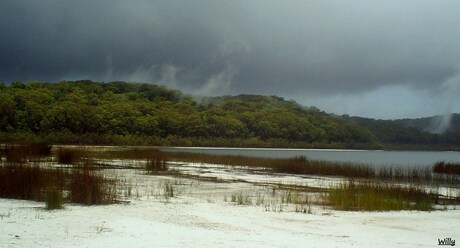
[447,168]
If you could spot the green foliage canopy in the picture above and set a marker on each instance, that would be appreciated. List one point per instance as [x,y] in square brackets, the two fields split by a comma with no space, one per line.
[151,114]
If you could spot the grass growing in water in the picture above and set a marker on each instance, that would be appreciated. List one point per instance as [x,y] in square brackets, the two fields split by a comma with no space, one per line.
[156,164]
[86,185]
[376,196]
[444,173]
[124,153]
[447,168]
[68,156]
[304,166]
[26,152]
[89,188]
[296,165]
[46,184]
[28,182]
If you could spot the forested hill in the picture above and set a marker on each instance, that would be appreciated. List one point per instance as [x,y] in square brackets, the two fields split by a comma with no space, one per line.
[442,132]
[85,112]
[119,112]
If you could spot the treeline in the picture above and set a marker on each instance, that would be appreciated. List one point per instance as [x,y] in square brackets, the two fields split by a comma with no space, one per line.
[120,113]
[417,133]
[87,112]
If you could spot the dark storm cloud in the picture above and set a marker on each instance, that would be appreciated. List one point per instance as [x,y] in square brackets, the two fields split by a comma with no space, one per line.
[207,46]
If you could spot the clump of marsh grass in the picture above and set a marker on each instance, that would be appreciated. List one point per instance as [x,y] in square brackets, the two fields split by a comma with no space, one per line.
[26,152]
[47,184]
[39,149]
[378,196]
[89,188]
[165,190]
[446,168]
[241,198]
[156,164]
[236,160]
[68,156]
[54,199]
[28,182]
[168,189]
[126,153]
[301,165]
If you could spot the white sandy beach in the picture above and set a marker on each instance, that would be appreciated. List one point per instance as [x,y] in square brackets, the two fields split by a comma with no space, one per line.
[201,214]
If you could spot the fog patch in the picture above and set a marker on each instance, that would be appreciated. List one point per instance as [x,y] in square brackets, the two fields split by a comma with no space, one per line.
[143,74]
[169,76]
[166,75]
[448,95]
[217,84]
[109,70]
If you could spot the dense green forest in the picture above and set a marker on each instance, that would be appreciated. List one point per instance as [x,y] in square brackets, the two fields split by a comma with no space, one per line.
[118,113]
[415,133]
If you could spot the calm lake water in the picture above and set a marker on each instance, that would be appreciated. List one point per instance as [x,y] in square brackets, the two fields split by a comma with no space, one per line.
[387,158]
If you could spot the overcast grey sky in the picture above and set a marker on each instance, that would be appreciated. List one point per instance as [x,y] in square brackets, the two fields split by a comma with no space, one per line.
[382,59]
